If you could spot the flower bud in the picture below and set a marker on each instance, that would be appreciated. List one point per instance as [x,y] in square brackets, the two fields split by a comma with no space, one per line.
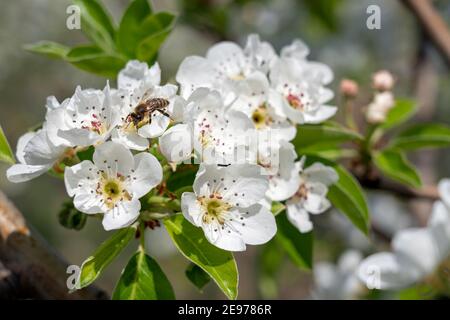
[378,109]
[383,80]
[349,88]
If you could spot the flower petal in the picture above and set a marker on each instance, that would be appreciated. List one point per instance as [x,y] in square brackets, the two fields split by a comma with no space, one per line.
[385,271]
[191,208]
[418,247]
[322,114]
[318,172]
[113,157]
[22,172]
[299,217]
[176,143]
[80,178]
[121,216]
[130,139]
[255,225]
[148,174]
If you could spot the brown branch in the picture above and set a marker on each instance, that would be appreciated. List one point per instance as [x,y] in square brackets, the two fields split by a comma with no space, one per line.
[29,268]
[427,192]
[433,25]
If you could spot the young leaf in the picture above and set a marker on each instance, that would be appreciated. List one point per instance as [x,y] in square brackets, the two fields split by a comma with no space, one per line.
[143,279]
[184,176]
[93,266]
[96,24]
[422,136]
[92,59]
[157,22]
[6,154]
[394,165]
[69,217]
[347,196]
[130,32]
[299,246]
[197,276]
[147,49]
[400,112]
[328,133]
[49,49]
[217,263]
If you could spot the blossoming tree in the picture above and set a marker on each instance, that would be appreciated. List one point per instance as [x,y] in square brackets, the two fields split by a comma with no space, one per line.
[240,151]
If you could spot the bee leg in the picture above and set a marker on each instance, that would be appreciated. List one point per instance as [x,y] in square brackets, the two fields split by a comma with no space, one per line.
[163,113]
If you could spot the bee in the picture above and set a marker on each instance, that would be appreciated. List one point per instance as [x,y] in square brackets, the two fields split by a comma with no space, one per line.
[146,108]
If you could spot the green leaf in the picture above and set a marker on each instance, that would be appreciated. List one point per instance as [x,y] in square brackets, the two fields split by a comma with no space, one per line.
[298,246]
[325,11]
[69,217]
[322,136]
[197,276]
[130,32]
[97,24]
[347,195]
[157,22]
[217,263]
[6,154]
[184,176]
[92,59]
[49,49]
[394,165]
[93,266]
[422,136]
[401,112]
[143,279]
[148,48]
[277,208]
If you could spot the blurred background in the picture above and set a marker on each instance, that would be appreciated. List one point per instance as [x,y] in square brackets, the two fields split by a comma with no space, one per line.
[337,34]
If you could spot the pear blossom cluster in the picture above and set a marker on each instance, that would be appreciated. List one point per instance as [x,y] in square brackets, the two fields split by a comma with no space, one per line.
[233,112]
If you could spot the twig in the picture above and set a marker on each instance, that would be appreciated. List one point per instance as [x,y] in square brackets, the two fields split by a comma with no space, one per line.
[433,25]
[428,192]
[30,268]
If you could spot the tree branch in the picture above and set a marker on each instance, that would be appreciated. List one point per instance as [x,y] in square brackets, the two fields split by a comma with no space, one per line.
[29,268]
[427,192]
[433,25]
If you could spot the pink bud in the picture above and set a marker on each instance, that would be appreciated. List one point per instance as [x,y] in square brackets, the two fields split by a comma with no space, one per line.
[349,88]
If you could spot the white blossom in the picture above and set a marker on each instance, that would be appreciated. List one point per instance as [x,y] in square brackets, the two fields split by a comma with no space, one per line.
[277,161]
[310,198]
[85,119]
[298,89]
[338,281]
[137,84]
[113,183]
[225,205]
[416,252]
[227,68]
[267,118]
[36,155]
[209,128]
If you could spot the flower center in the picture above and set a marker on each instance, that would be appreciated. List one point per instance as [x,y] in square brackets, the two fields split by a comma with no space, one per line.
[261,118]
[237,77]
[295,102]
[214,209]
[302,192]
[113,190]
